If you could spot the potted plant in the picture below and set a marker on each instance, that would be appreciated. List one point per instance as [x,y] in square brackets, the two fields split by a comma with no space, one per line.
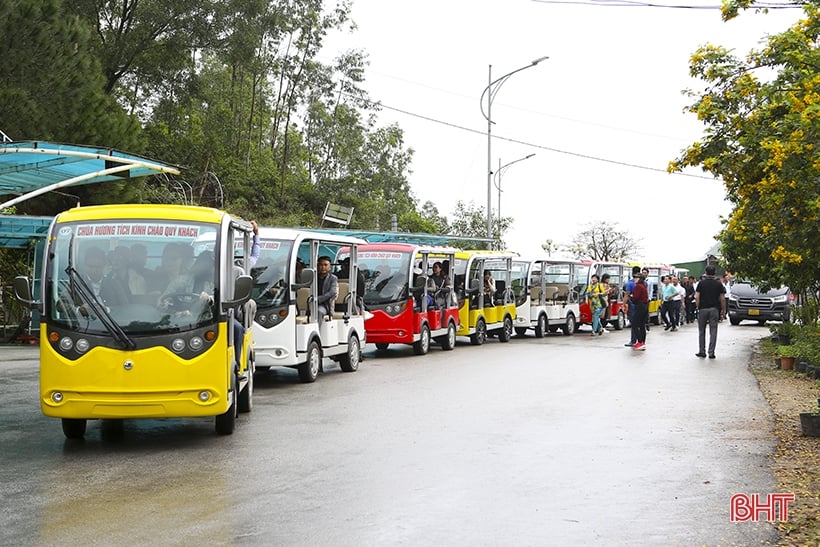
[787,356]
[785,331]
[810,422]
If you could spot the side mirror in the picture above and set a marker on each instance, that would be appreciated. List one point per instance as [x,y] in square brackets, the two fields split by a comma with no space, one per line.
[306,278]
[241,292]
[22,290]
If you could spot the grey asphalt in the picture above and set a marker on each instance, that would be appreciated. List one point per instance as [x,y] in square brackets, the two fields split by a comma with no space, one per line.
[562,441]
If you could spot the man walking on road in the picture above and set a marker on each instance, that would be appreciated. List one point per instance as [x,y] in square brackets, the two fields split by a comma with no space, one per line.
[710,301]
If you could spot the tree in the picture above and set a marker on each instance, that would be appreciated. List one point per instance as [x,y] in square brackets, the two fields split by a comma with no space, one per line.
[602,240]
[762,118]
[470,221]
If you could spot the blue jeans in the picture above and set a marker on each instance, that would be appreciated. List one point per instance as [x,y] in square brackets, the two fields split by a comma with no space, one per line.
[596,319]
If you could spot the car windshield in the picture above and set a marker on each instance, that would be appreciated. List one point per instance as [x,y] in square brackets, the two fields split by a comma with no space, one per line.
[143,276]
[271,273]
[386,275]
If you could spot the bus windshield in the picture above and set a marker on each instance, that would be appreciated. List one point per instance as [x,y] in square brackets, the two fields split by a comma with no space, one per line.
[386,275]
[131,277]
[270,275]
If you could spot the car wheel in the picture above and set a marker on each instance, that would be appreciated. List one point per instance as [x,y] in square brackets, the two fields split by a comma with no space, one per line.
[422,345]
[448,341]
[480,335]
[506,331]
[245,402]
[225,423]
[620,323]
[381,346]
[349,362]
[734,321]
[541,326]
[569,326]
[73,428]
[309,370]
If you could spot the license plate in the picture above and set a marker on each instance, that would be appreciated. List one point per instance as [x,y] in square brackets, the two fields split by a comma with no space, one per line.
[754,312]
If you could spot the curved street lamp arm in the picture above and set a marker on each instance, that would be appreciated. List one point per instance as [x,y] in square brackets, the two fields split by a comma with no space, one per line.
[493,87]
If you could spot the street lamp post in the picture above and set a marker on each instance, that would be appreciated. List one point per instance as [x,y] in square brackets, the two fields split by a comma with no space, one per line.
[490,91]
[498,174]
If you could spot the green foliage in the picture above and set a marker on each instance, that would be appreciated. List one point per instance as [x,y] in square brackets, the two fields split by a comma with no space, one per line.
[762,118]
[51,85]
[470,221]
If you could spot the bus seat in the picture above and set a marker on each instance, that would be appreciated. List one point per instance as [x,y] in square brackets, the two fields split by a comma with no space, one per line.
[340,304]
[562,293]
[500,289]
[535,295]
[302,309]
[550,292]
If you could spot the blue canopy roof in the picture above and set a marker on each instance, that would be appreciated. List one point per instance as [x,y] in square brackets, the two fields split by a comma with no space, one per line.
[31,168]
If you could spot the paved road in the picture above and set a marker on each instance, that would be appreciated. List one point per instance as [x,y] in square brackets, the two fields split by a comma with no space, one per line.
[561,441]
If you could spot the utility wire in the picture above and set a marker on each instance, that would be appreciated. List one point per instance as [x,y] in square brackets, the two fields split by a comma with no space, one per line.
[533,145]
[633,4]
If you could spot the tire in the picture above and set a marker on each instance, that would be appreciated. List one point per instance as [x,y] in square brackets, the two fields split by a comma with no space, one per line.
[225,423]
[381,346]
[245,401]
[74,428]
[569,326]
[309,370]
[349,362]
[506,332]
[422,345]
[480,334]
[448,341]
[734,321]
[541,326]
[620,322]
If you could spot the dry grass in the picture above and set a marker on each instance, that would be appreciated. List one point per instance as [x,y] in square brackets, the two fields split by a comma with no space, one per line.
[796,461]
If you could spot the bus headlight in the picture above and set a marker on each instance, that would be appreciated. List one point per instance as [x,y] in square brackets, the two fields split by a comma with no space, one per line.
[178,345]
[204,396]
[66,343]
[82,345]
[196,343]
[57,397]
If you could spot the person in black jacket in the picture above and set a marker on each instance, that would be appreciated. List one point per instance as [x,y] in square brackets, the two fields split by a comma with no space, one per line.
[710,300]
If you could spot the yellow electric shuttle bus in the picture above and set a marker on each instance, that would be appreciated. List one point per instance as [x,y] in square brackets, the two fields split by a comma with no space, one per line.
[482,283]
[143,314]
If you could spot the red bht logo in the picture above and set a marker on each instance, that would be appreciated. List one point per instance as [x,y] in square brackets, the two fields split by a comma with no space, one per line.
[746,507]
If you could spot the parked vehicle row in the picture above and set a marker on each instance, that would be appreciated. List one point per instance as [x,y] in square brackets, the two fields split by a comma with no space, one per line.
[193,305]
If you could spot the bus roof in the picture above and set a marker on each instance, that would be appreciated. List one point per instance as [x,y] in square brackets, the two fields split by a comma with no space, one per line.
[142,211]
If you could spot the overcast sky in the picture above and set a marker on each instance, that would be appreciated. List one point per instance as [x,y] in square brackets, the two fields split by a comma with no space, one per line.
[611,90]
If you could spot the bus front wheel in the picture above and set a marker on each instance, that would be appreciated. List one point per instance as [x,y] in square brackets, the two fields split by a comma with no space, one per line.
[309,370]
[349,362]
[422,346]
[74,428]
[225,423]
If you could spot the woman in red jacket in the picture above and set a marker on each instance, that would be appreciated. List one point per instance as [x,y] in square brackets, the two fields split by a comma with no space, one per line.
[640,299]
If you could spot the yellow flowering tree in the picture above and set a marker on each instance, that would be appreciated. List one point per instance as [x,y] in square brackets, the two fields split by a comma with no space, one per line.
[762,138]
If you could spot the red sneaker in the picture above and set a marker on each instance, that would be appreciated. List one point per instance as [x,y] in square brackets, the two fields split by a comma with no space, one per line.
[640,346]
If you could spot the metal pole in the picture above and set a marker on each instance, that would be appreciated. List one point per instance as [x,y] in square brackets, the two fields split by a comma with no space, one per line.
[490,91]
[498,177]
[489,154]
